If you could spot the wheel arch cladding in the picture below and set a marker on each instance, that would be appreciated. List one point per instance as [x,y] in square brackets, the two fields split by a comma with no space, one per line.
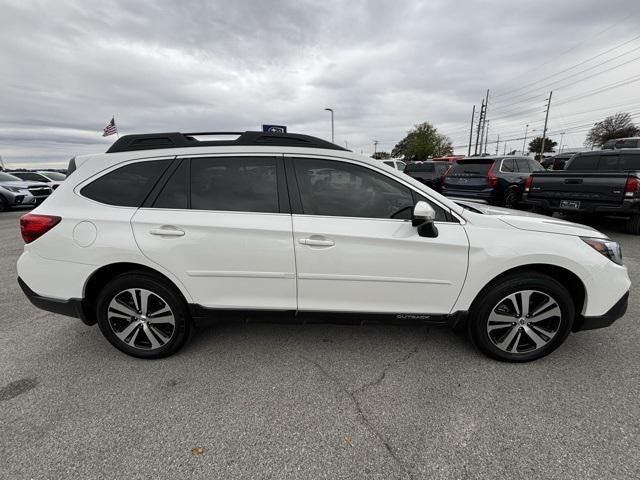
[564,276]
[104,274]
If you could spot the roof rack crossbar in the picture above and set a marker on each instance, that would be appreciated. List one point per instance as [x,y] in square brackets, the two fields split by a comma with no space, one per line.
[155,141]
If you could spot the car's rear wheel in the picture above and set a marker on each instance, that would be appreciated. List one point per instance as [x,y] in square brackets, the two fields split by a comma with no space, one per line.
[522,318]
[511,198]
[143,316]
[633,225]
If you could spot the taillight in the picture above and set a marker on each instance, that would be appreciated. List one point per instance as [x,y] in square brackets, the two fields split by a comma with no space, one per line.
[33,226]
[491,178]
[632,187]
[527,183]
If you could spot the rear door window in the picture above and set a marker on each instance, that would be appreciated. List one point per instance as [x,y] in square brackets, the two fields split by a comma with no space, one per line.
[236,184]
[126,186]
[508,165]
[522,165]
[175,193]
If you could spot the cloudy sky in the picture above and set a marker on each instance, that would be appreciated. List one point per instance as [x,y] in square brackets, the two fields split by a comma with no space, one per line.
[67,66]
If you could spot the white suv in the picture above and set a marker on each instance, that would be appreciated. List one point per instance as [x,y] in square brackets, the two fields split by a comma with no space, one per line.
[168,228]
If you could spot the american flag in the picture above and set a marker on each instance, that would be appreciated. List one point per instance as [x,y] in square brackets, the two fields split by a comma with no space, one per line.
[110,129]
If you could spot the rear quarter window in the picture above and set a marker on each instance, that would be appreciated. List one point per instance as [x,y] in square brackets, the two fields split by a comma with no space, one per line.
[126,186]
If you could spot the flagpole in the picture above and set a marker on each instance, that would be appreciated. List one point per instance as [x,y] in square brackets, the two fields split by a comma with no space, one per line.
[117,132]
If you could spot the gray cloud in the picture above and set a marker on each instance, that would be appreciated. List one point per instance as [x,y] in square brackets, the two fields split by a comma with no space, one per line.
[212,65]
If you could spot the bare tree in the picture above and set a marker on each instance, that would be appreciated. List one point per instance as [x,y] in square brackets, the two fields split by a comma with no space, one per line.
[619,125]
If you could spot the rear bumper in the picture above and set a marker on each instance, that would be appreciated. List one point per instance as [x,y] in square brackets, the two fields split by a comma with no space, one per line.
[488,195]
[627,207]
[70,308]
[605,320]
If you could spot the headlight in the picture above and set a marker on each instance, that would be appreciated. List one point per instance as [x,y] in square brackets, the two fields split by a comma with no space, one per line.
[15,189]
[608,248]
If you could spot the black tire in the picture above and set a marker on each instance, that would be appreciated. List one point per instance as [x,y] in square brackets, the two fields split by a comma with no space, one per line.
[524,347]
[511,198]
[167,339]
[4,205]
[633,225]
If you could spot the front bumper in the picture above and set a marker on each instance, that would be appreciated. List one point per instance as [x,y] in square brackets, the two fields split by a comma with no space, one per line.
[70,308]
[605,320]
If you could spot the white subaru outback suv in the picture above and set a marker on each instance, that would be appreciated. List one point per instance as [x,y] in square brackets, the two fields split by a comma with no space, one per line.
[168,228]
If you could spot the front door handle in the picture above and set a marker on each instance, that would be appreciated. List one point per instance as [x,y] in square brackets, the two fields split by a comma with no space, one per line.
[167,232]
[317,242]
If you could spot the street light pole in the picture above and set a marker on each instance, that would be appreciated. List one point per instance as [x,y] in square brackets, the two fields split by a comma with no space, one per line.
[332,136]
[524,144]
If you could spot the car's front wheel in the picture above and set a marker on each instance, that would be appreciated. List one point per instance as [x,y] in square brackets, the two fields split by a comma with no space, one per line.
[4,205]
[522,317]
[143,316]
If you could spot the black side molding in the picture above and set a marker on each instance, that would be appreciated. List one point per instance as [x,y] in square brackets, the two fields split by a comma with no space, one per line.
[70,308]
[614,313]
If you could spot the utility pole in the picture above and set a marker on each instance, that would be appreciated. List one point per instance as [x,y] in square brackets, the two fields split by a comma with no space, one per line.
[561,137]
[505,148]
[485,122]
[498,144]
[375,146]
[473,114]
[331,110]
[479,127]
[486,138]
[524,143]
[544,130]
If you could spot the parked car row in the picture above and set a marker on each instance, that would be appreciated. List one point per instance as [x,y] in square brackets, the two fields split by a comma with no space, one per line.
[498,180]
[27,188]
[604,182]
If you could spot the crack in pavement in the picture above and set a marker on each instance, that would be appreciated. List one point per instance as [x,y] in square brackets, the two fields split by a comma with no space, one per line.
[353,396]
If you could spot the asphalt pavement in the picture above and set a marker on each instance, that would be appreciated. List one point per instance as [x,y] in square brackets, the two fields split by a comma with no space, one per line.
[311,401]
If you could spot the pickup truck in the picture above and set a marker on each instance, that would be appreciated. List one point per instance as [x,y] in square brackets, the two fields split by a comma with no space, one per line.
[605,182]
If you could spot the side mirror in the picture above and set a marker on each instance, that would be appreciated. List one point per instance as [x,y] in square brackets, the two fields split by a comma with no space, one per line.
[423,217]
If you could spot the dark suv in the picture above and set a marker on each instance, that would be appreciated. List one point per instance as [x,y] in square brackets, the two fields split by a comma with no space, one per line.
[429,173]
[497,180]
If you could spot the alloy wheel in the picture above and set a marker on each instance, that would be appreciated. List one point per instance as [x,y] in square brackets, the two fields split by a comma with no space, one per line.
[141,319]
[524,321]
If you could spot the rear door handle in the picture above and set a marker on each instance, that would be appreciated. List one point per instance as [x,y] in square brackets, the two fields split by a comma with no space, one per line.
[167,232]
[317,242]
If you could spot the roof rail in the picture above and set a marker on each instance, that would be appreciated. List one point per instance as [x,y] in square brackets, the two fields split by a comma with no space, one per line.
[153,141]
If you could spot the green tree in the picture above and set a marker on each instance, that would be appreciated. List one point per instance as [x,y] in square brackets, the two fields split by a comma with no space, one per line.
[381,155]
[614,126]
[536,143]
[423,142]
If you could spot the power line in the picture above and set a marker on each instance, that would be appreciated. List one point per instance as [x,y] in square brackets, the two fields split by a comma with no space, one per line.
[577,65]
[608,70]
[591,37]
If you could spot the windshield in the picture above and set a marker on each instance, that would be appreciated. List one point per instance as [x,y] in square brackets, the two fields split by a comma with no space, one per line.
[5,177]
[58,177]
